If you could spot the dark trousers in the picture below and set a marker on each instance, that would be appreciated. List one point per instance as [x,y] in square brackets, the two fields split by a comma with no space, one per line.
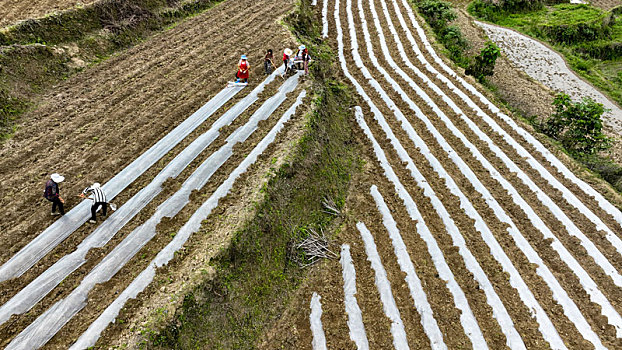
[267,66]
[95,206]
[57,203]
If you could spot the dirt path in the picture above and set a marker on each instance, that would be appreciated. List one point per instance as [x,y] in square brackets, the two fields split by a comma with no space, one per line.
[469,191]
[13,11]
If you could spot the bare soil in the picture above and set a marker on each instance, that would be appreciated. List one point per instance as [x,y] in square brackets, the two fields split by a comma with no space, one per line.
[98,121]
[13,11]
[523,94]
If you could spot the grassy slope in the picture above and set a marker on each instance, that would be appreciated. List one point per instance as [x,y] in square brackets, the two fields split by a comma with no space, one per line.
[255,276]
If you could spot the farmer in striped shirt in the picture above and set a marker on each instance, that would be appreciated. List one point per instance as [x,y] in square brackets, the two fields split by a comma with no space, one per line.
[97,195]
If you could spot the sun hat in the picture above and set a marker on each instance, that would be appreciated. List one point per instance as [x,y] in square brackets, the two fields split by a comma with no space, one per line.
[57,178]
[96,185]
[243,57]
[302,47]
[288,52]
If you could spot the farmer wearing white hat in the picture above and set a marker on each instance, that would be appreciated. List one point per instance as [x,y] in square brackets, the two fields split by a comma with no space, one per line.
[243,68]
[97,195]
[303,55]
[52,193]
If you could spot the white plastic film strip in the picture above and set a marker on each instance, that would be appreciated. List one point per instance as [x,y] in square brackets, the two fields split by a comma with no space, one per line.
[355,317]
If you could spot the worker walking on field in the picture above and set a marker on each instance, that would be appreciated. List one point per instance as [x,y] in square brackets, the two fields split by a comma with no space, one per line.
[243,70]
[97,195]
[268,65]
[52,193]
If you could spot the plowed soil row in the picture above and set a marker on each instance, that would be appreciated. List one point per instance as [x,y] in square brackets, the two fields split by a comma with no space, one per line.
[13,11]
[362,208]
[570,242]
[121,107]
[100,120]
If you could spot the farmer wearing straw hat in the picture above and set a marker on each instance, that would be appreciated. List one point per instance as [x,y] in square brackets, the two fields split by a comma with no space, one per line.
[286,57]
[52,193]
[97,195]
[243,68]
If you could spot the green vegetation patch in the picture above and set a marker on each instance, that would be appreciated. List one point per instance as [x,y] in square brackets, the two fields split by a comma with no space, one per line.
[439,15]
[256,275]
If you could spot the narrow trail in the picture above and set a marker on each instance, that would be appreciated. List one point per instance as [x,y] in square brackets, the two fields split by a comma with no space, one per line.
[528,252]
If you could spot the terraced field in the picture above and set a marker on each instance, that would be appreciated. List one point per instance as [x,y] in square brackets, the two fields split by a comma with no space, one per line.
[469,233]
[168,162]
[13,11]
[463,230]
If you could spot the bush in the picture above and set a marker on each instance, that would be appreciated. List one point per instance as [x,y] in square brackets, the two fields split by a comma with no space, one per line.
[453,40]
[437,13]
[484,63]
[577,126]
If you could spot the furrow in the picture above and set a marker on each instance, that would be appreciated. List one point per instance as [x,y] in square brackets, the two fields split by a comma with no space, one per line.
[467,318]
[325,19]
[588,284]
[77,216]
[530,139]
[500,313]
[49,279]
[572,229]
[90,336]
[355,317]
[315,319]
[46,325]
[384,288]
[414,283]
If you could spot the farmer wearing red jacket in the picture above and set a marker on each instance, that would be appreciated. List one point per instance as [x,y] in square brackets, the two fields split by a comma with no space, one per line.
[243,68]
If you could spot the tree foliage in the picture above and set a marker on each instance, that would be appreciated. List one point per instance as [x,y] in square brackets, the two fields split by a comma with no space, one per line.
[483,64]
[577,125]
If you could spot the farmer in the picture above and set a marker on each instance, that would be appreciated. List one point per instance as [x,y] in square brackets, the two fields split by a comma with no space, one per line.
[97,195]
[286,57]
[304,55]
[52,193]
[243,68]
[268,65]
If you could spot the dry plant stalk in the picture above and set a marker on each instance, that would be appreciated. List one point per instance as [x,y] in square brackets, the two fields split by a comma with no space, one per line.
[330,207]
[316,246]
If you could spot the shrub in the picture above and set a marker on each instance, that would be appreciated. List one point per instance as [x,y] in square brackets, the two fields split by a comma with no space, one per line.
[437,13]
[484,63]
[453,40]
[577,126]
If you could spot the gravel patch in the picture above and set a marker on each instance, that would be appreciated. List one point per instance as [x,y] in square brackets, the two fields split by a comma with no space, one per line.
[548,67]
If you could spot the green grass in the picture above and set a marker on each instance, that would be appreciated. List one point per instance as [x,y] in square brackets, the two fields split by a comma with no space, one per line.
[255,276]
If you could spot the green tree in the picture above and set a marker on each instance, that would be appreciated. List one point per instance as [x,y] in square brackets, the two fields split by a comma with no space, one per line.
[437,13]
[577,125]
[484,63]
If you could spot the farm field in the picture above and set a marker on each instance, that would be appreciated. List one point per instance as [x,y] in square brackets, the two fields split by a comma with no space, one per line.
[13,11]
[465,232]
[462,229]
